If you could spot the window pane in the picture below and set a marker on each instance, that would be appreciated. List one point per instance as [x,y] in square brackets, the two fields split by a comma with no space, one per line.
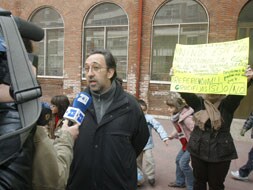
[251,32]
[54,52]
[47,18]
[106,26]
[246,13]
[193,34]
[242,33]
[181,11]
[94,38]
[245,25]
[39,50]
[50,49]
[117,44]
[178,21]
[251,46]
[164,42]
[106,14]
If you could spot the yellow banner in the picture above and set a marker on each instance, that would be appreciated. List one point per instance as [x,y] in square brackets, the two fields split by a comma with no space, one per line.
[215,68]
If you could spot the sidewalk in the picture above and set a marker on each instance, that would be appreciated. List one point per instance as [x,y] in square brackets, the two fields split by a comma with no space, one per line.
[165,159]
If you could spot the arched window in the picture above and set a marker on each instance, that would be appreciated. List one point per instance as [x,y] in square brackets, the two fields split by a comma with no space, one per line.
[106,26]
[177,21]
[50,50]
[245,29]
[245,26]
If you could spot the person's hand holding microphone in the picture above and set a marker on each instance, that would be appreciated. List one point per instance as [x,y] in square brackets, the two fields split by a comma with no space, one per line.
[74,115]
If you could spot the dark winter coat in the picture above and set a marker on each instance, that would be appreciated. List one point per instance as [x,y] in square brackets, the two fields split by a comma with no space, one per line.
[249,124]
[210,145]
[16,173]
[105,153]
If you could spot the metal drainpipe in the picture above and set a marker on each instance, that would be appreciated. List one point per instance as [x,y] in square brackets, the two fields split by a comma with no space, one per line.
[139,49]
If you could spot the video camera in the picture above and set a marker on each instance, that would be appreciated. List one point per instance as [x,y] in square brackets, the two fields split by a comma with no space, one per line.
[18,118]
[28,31]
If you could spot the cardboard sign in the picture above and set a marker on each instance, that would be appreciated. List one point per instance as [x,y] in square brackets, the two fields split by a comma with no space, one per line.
[215,68]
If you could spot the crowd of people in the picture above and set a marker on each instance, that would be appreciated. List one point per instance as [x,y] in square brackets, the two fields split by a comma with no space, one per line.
[107,149]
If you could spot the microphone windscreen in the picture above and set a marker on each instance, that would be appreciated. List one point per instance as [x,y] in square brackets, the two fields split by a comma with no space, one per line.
[29,30]
[74,115]
[82,101]
[80,104]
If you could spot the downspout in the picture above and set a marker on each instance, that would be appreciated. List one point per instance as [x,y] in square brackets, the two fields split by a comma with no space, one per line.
[139,37]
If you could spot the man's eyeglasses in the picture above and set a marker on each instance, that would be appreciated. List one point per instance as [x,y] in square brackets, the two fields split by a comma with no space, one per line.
[96,69]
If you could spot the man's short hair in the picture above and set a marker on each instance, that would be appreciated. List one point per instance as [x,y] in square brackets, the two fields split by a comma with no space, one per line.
[109,59]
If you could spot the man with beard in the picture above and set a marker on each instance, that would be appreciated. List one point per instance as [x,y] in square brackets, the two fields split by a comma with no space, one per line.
[113,133]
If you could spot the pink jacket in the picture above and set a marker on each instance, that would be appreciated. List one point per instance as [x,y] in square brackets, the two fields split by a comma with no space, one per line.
[185,122]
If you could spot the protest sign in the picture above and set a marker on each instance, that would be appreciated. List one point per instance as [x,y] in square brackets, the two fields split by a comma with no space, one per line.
[215,68]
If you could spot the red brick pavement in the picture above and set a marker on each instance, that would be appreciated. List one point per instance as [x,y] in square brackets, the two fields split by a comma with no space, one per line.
[165,163]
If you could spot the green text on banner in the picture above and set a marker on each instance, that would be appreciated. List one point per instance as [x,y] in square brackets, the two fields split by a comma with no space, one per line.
[215,68]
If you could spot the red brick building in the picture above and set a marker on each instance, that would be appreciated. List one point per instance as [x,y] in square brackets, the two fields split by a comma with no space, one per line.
[141,33]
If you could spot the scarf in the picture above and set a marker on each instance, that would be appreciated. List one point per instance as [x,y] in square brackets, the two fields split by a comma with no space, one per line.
[175,117]
[211,112]
[180,133]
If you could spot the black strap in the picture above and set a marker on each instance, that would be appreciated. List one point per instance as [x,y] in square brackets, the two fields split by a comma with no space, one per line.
[24,83]
[25,86]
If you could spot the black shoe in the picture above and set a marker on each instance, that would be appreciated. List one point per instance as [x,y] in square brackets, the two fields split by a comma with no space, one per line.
[173,184]
[151,182]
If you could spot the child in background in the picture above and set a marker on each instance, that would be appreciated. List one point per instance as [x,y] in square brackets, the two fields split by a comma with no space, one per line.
[181,117]
[147,151]
[59,105]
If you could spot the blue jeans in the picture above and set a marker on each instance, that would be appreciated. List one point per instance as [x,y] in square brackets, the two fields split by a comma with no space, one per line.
[245,170]
[184,174]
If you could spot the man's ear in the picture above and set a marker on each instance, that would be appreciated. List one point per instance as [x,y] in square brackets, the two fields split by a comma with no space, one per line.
[110,73]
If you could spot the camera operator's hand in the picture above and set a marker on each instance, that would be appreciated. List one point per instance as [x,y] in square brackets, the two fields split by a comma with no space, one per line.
[5,93]
[73,130]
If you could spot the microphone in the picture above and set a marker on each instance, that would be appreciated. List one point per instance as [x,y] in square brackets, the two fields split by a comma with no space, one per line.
[75,114]
[26,29]
[29,30]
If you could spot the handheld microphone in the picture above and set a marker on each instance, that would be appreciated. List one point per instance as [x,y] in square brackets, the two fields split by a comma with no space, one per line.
[26,29]
[75,114]
[29,30]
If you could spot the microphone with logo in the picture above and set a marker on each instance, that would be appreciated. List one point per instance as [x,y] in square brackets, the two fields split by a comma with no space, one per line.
[75,113]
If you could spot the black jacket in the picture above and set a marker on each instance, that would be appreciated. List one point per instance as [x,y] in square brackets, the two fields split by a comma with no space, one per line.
[249,124]
[210,145]
[16,173]
[105,153]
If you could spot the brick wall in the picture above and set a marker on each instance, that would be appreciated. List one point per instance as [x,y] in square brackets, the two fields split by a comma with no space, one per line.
[223,22]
